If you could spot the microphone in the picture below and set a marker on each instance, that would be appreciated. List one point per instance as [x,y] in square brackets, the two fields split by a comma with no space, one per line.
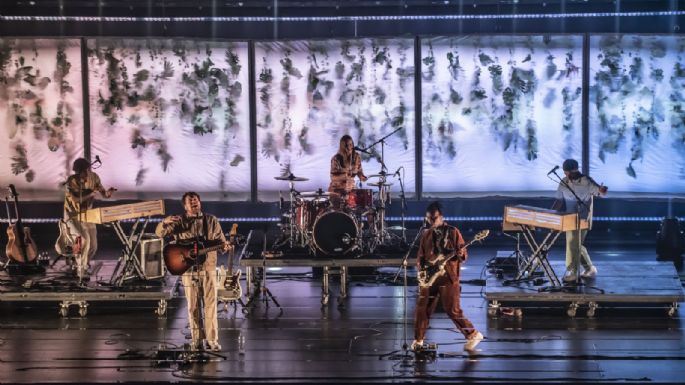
[397,173]
[361,150]
[553,170]
[97,159]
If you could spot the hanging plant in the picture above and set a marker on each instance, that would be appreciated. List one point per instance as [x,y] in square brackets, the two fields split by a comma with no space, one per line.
[429,62]
[551,68]
[569,97]
[454,67]
[496,76]
[62,69]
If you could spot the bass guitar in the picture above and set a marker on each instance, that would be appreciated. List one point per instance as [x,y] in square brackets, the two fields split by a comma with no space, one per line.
[430,272]
[20,246]
[230,280]
[179,257]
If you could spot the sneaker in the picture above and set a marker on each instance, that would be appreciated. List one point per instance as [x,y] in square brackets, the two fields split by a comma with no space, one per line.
[570,276]
[589,273]
[214,346]
[472,341]
[416,345]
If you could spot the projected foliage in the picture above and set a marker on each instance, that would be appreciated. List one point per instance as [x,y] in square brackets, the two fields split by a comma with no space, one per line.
[171,114]
[310,93]
[499,111]
[637,112]
[41,107]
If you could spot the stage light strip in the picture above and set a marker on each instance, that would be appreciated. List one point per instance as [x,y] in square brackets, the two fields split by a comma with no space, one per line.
[390,219]
[342,18]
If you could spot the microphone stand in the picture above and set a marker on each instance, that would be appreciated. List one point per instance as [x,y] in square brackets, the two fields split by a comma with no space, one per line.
[578,284]
[403,268]
[403,204]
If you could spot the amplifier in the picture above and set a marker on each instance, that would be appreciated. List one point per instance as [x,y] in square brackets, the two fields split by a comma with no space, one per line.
[149,254]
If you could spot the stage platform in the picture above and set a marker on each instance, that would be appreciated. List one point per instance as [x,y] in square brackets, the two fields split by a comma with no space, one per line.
[329,266]
[59,284]
[618,284]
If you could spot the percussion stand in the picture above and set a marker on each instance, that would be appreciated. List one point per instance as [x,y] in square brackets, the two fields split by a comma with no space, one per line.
[382,233]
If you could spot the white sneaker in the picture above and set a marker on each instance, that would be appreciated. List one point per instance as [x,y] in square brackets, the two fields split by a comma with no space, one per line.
[589,273]
[570,276]
[416,345]
[472,341]
[214,346]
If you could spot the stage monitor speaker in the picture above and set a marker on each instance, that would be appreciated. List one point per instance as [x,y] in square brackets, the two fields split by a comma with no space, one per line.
[149,254]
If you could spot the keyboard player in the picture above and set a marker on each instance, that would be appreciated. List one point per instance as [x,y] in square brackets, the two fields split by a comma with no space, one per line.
[79,195]
[586,189]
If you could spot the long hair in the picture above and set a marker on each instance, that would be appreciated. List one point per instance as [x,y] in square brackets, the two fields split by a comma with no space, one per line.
[341,148]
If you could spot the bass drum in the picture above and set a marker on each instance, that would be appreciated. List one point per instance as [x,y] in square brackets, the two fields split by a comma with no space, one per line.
[335,233]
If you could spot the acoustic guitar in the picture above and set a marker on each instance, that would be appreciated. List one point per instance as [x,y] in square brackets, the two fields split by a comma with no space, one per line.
[181,256]
[20,246]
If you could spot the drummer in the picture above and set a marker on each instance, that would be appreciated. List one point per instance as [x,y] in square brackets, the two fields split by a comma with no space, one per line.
[346,164]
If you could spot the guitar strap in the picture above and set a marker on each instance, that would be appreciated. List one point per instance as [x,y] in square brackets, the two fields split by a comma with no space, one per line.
[204,227]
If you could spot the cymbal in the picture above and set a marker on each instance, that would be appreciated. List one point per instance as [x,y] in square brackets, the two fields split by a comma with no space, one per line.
[396,228]
[291,177]
[379,184]
[378,175]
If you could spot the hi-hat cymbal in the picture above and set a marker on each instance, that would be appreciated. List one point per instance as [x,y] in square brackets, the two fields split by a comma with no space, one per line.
[396,228]
[378,175]
[379,184]
[291,177]
[315,194]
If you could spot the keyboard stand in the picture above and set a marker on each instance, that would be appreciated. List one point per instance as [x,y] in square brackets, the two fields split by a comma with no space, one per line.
[538,258]
[129,264]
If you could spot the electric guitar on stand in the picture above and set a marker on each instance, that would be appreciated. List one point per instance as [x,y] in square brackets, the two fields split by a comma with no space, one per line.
[230,280]
[429,273]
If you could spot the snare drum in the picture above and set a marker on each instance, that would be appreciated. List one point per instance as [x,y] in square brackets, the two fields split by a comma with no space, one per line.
[360,199]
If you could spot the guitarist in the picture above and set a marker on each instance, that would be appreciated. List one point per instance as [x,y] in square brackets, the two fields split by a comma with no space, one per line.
[80,191]
[441,238]
[194,225]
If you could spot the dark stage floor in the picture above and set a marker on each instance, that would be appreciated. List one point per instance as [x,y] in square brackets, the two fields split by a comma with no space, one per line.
[361,341]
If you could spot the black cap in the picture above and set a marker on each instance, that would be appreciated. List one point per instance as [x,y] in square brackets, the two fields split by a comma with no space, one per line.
[570,165]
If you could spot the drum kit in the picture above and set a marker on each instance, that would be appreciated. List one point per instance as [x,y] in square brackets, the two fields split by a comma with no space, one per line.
[332,224]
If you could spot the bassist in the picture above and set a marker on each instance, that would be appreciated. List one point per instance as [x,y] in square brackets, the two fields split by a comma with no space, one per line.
[194,225]
[442,239]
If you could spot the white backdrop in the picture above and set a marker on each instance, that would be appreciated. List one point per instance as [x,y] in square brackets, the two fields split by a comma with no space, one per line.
[499,111]
[310,93]
[637,113]
[41,112]
[170,115]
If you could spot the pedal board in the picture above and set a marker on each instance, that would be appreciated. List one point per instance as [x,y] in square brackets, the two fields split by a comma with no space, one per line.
[428,352]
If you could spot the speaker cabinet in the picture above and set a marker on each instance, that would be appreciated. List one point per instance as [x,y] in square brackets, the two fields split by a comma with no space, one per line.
[149,254]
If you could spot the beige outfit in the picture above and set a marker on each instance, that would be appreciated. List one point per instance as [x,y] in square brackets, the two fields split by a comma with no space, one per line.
[188,229]
[343,172]
[74,206]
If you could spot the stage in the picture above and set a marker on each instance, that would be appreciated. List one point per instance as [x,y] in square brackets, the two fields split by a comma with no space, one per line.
[362,341]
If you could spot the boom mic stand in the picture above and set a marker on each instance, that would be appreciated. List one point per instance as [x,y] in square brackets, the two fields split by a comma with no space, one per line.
[578,284]
[382,233]
[403,269]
